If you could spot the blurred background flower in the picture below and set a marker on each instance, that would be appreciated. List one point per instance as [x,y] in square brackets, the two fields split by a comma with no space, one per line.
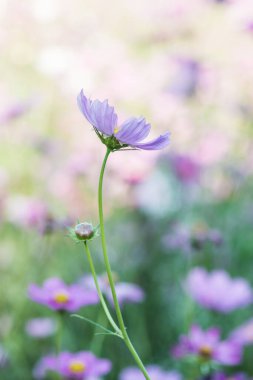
[217,291]
[40,327]
[154,371]
[207,345]
[58,296]
[73,366]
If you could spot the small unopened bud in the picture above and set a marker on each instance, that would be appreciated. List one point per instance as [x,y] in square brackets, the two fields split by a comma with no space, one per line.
[84,231]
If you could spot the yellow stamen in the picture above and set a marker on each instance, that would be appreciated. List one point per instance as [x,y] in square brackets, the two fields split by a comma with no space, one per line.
[116,130]
[205,351]
[61,297]
[77,366]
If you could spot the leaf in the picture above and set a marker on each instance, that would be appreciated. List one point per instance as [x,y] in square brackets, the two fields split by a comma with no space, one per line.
[111,333]
[94,323]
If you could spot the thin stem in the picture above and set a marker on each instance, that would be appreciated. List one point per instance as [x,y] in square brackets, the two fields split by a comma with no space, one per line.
[101,297]
[109,272]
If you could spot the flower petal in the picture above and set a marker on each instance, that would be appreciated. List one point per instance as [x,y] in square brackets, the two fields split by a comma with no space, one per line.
[228,353]
[133,130]
[159,143]
[99,114]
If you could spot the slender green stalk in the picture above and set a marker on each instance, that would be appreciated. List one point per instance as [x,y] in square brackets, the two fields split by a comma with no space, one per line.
[109,272]
[101,297]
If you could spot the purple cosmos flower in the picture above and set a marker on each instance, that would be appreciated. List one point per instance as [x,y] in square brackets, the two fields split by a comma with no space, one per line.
[244,333]
[217,291]
[58,296]
[79,366]
[126,292]
[207,344]
[40,327]
[155,372]
[105,121]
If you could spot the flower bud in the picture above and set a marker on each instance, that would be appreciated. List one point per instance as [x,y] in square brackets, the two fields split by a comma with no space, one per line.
[84,231]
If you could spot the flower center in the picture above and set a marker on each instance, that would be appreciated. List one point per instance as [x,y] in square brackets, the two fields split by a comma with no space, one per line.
[205,351]
[76,366]
[61,297]
[116,130]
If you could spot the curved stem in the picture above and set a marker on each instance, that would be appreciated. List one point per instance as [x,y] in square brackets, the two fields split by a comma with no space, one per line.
[109,272]
[101,297]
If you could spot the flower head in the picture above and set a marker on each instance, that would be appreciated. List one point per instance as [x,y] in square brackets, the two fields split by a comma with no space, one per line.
[207,344]
[155,372]
[83,232]
[58,296]
[71,366]
[217,291]
[105,122]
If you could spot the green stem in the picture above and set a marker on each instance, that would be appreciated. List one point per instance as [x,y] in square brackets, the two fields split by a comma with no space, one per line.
[109,273]
[101,297]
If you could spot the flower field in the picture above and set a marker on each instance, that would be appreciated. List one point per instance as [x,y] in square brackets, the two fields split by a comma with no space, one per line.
[126,182]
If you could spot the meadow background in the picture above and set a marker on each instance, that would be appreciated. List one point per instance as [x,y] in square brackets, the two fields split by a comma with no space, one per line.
[187,66]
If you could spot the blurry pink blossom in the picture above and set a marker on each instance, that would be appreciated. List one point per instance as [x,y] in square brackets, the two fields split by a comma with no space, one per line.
[26,211]
[217,290]
[15,110]
[40,327]
[185,168]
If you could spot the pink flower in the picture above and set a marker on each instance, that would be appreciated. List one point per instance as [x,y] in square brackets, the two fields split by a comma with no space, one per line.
[73,366]
[26,211]
[40,327]
[185,168]
[217,291]
[207,345]
[105,122]
[58,296]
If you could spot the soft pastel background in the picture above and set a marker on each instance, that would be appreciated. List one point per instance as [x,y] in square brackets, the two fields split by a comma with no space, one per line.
[187,66]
